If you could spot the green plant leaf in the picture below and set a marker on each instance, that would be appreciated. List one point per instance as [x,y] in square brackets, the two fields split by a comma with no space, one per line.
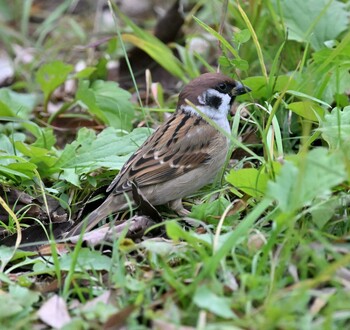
[329,73]
[335,128]
[13,104]
[240,64]
[7,300]
[260,89]
[177,233]
[210,212]
[8,172]
[316,21]
[250,180]
[323,210]
[308,110]
[42,157]
[115,103]
[71,176]
[52,75]
[206,299]
[153,47]
[159,248]
[6,145]
[46,139]
[109,149]
[25,296]
[108,102]
[159,52]
[242,36]
[15,167]
[85,73]
[308,97]
[87,260]
[305,178]
[25,170]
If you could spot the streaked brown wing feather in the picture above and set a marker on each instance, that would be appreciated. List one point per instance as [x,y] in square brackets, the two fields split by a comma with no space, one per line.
[178,146]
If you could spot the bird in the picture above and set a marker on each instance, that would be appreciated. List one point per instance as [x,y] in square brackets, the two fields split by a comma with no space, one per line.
[182,155]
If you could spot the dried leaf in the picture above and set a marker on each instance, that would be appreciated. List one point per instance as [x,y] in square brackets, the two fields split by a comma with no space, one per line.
[54,312]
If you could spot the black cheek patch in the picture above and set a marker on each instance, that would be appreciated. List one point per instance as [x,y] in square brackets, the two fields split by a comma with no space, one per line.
[213,101]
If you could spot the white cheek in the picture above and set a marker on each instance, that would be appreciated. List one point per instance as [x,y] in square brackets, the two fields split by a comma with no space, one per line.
[201,99]
[225,104]
[223,109]
[217,115]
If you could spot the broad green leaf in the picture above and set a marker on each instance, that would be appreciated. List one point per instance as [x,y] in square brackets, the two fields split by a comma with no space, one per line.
[323,210]
[240,64]
[115,104]
[250,180]
[241,37]
[308,97]
[25,296]
[108,102]
[8,172]
[85,73]
[314,21]
[177,233]
[85,95]
[260,89]
[71,176]
[160,248]
[46,139]
[6,145]
[25,170]
[135,285]
[210,212]
[334,77]
[206,299]
[6,254]
[5,110]
[174,231]
[306,178]
[108,149]
[9,306]
[31,159]
[43,157]
[335,128]
[16,104]
[308,110]
[52,75]
[87,260]
[332,55]
[224,61]
[15,167]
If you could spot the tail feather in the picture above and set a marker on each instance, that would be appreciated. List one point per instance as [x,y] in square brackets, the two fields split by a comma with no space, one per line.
[111,205]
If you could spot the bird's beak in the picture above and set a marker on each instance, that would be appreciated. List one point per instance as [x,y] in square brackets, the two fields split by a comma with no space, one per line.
[240,89]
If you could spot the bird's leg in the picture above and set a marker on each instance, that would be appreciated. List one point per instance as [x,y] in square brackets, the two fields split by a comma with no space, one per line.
[177,206]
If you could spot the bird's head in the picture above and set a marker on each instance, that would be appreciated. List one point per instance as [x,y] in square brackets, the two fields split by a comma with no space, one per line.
[212,94]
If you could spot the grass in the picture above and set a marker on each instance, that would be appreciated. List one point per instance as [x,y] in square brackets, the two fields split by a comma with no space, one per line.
[272,250]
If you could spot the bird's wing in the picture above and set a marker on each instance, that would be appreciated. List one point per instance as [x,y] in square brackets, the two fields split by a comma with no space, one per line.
[180,145]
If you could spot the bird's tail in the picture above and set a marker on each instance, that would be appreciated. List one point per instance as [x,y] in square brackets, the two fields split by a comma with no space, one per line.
[111,205]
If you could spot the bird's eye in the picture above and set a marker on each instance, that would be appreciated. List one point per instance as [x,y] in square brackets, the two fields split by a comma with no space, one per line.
[223,87]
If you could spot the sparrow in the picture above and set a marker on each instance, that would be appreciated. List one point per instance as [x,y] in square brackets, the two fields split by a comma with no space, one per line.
[182,155]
